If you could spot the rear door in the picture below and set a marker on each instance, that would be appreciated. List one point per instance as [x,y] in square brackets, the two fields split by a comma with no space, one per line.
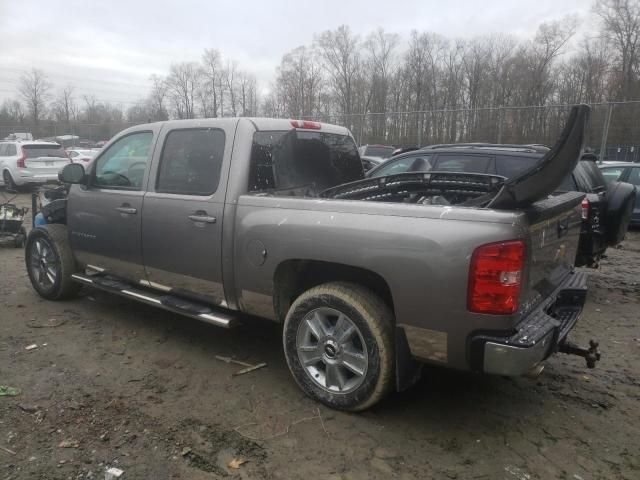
[104,218]
[182,212]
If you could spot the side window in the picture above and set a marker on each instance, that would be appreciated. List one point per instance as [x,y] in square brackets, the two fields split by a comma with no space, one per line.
[191,162]
[634,176]
[11,150]
[462,163]
[420,163]
[124,163]
[3,149]
[510,167]
[611,174]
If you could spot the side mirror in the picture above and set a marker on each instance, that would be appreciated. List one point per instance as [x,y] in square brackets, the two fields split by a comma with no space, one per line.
[72,173]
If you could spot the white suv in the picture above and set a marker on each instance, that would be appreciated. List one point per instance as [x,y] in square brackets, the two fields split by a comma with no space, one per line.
[30,162]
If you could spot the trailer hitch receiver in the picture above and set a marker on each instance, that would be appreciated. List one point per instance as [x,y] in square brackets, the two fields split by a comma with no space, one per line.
[591,354]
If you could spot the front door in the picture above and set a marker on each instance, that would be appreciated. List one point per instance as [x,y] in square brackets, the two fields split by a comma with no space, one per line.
[104,217]
[182,213]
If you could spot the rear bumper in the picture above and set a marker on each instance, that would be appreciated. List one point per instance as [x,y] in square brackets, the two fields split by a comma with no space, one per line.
[27,176]
[537,336]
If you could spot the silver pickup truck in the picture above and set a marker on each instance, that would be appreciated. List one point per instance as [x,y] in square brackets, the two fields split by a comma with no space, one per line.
[217,219]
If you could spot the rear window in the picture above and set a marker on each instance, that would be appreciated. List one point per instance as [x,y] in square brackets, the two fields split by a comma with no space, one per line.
[462,163]
[191,162]
[35,151]
[294,159]
[383,152]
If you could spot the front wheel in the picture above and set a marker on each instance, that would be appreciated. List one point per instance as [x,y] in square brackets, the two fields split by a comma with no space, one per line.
[50,262]
[338,341]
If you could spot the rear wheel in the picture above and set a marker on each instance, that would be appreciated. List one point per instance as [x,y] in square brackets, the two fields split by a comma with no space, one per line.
[9,184]
[338,341]
[50,262]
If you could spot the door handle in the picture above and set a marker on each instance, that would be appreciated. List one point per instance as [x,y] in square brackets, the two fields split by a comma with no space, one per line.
[127,210]
[202,218]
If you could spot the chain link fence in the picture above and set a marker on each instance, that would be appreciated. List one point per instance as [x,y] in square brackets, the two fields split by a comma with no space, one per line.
[614,128]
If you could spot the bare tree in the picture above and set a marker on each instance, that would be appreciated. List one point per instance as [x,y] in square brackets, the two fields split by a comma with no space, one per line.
[621,26]
[298,82]
[212,70]
[64,106]
[157,97]
[34,89]
[381,65]
[230,79]
[340,51]
[183,83]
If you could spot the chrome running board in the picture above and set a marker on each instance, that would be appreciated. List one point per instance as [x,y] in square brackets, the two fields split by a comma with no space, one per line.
[172,303]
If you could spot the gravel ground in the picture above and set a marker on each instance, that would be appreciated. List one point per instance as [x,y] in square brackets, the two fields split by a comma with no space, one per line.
[116,384]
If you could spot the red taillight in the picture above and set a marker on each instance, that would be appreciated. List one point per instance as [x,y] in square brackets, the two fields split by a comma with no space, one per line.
[306,124]
[495,277]
[22,159]
[585,209]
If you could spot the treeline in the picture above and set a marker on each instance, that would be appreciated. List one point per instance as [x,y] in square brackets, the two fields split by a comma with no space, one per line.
[360,82]
[466,87]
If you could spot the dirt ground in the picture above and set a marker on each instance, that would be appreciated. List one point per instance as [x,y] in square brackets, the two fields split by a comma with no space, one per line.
[116,384]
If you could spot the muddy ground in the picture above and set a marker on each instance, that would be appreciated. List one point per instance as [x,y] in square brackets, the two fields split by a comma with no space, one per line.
[116,384]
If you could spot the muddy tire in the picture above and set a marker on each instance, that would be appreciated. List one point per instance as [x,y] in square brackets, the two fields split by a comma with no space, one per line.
[50,262]
[338,341]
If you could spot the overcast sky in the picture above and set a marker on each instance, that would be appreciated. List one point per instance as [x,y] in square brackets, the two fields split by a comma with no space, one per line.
[110,48]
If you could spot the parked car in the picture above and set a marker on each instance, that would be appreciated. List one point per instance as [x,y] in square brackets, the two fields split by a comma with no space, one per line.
[84,156]
[30,162]
[373,155]
[624,172]
[606,210]
[215,218]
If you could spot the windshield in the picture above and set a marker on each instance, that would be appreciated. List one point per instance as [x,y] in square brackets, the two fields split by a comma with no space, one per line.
[285,160]
[35,151]
[378,151]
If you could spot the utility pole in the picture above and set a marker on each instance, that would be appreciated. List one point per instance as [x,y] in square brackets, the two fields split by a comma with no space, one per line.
[605,132]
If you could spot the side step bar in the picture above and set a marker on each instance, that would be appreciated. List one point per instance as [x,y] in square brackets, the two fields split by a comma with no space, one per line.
[172,303]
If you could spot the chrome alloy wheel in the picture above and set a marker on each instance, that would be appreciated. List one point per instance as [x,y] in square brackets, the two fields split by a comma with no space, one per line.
[44,263]
[331,350]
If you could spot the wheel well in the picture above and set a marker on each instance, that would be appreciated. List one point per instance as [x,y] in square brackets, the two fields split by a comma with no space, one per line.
[293,277]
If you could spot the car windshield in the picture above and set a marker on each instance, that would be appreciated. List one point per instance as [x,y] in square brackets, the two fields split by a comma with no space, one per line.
[285,160]
[35,151]
[378,151]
